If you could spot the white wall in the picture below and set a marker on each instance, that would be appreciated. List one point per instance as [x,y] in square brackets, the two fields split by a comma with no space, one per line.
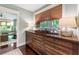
[24,17]
[69,10]
[78,21]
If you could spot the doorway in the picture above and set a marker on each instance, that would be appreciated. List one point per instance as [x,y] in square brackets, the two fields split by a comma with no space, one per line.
[8,32]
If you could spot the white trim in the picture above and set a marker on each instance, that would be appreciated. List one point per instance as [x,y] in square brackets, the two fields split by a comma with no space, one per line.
[23,43]
[17,27]
[44,9]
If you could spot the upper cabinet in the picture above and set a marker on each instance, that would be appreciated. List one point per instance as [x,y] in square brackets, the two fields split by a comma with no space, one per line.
[56,12]
[62,10]
[69,10]
[52,13]
[42,16]
[45,15]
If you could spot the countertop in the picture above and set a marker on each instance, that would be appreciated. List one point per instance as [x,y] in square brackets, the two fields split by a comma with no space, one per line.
[69,39]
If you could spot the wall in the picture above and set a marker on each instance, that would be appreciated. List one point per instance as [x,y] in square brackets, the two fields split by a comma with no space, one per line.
[25,17]
[69,10]
[78,22]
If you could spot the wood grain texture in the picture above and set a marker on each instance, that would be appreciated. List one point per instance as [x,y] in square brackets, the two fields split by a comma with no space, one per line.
[47,45]
[56,12]
[50,14]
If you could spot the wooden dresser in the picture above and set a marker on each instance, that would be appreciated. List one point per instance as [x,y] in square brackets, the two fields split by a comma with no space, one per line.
[48,44]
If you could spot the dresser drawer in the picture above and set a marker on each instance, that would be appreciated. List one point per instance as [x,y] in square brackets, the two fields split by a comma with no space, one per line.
[63,43]
[38,36]
[51,50]
[53,45]
[39,48]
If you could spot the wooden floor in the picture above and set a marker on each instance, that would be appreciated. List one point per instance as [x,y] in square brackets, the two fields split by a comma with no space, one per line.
[6,48]
[24,49]
[27,50]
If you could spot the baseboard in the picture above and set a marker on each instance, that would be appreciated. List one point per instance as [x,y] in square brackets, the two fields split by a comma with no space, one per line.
[23,43]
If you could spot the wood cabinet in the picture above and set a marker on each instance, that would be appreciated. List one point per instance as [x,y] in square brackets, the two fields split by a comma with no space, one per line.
[47,45]
[52,13]
[42,16]
[56,12]
[45,15]
[64,10]
[60,47]
[36,43]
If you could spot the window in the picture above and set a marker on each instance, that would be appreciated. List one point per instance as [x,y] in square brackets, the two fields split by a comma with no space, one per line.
[44,24]
[6,15]
[6,26]
[48,24]
[55,24]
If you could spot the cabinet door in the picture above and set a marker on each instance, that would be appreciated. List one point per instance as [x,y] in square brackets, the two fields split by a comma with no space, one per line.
[69,10]
[42,16]
[46,15]
[56,12]
[39,43]
[55,46]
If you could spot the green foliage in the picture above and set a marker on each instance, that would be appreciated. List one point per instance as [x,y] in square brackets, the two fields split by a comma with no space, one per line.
[55,24]
[47,24]
[6,28]
[44,24]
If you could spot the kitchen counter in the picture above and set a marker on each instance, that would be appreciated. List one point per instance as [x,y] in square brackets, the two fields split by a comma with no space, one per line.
[45,43]
[70,39]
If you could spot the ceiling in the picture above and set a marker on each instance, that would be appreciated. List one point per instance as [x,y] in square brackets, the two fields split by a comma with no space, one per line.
[32,7]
